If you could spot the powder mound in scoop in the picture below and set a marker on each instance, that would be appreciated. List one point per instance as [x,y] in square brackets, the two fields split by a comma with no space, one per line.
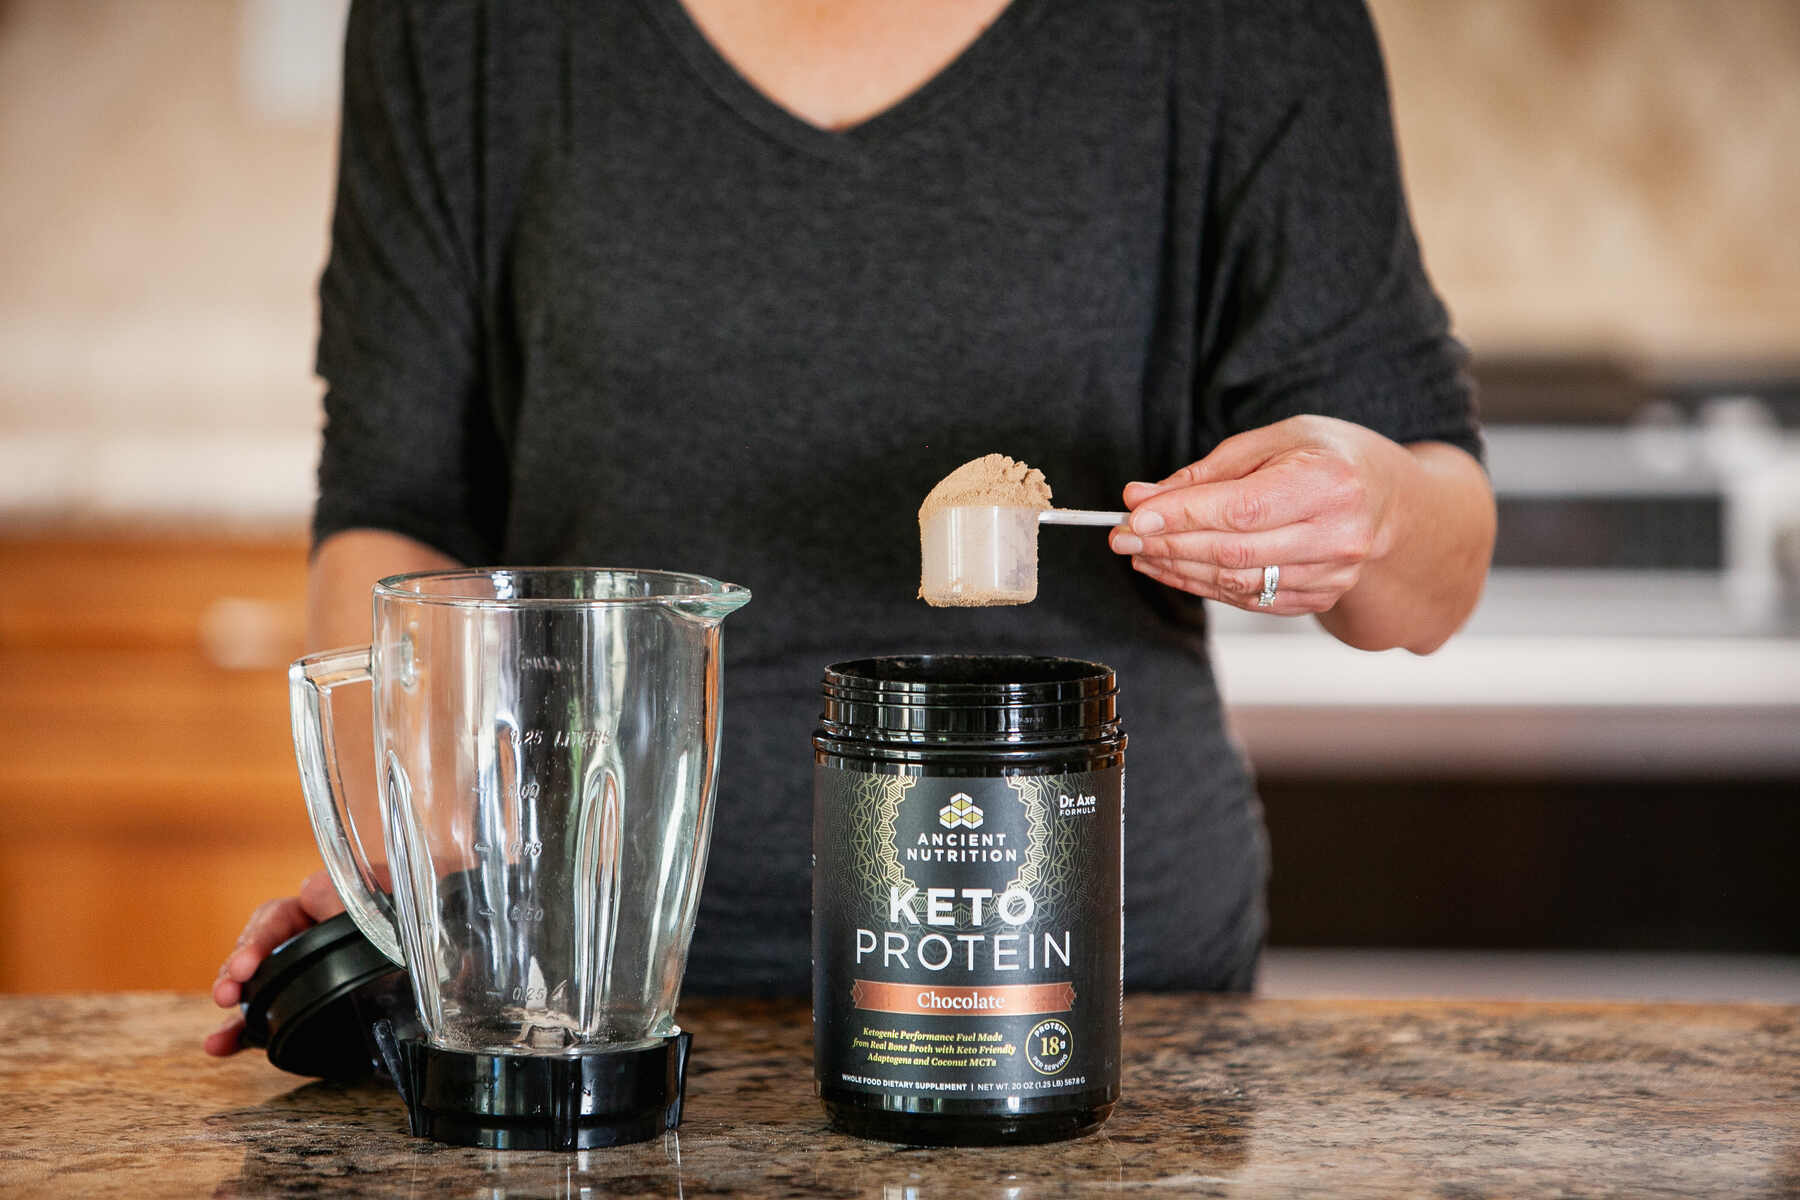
[983,562]
[991,480]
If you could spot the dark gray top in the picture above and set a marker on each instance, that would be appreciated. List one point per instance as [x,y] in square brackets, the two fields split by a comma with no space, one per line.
[592,298]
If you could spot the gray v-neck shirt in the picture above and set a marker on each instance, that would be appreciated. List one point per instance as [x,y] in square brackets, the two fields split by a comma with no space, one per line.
[592,298]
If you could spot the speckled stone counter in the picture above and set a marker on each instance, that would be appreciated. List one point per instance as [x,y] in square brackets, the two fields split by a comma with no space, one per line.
[1228,1097]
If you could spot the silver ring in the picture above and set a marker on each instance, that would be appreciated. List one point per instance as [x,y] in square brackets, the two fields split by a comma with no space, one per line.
[1271,581]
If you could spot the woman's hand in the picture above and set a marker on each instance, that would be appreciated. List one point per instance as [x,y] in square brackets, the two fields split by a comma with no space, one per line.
[273,922]
[1345,514]
[1309,495]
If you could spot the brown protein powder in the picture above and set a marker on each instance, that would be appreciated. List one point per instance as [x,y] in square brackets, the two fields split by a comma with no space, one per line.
[967,973]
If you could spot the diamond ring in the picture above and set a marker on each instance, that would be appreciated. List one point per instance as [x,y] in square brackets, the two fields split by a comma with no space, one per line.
[1271,581]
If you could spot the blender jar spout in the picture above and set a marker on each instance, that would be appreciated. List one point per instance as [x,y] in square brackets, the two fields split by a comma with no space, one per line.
[710,608]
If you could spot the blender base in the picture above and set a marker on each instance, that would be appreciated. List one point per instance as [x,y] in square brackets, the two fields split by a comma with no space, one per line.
[537,1102]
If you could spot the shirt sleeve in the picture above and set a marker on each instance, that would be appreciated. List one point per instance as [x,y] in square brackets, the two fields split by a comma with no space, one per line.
[1314,296]
[409,442]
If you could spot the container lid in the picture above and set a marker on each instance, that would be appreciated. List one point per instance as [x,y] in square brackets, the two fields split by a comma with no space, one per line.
[301,1003]
[1011,698]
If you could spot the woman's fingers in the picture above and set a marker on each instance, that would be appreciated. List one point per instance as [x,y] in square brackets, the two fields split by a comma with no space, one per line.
[1302,588]
[1266,500]
[226,1039]
[319,898]
[1232,458]
[1227,587]
[273,922]
[1291,544]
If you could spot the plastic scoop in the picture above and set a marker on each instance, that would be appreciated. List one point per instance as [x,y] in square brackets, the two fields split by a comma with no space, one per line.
[972,555]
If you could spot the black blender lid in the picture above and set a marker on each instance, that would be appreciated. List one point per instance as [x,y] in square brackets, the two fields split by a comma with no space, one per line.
[300,1003]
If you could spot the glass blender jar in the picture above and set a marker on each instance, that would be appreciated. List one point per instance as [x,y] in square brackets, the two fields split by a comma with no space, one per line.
[547,751]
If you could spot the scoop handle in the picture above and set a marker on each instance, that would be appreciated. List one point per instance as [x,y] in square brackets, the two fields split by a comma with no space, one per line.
[1080,516]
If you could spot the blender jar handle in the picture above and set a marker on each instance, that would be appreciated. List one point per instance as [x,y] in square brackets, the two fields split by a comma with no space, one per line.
[310,680]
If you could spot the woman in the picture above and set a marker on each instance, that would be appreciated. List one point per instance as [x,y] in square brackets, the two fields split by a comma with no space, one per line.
[725,287]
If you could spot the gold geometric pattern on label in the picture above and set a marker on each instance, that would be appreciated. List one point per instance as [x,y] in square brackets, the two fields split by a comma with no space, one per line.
[1050,872]
[874,805]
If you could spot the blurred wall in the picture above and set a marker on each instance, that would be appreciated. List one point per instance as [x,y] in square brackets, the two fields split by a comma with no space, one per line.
[167,172]
[1587,175]
[165,175]
[1606,175]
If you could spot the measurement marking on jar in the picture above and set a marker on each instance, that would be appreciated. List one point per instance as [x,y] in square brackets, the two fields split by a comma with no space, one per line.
[561,739]
[528,848]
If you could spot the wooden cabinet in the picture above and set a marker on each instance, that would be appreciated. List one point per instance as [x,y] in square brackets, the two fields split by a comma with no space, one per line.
[147,784]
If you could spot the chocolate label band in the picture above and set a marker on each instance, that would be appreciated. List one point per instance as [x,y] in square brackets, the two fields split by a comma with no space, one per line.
[1007,998]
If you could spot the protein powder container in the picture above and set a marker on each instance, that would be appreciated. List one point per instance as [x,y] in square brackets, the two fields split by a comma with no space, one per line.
[967,978]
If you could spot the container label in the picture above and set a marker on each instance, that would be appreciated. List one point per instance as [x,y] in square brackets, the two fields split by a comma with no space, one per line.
[966,933]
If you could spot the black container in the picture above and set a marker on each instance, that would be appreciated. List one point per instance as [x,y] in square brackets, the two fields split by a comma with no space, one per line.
[966,898]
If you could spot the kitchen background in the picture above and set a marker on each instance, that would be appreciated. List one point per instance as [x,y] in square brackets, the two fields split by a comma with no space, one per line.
[1595,791]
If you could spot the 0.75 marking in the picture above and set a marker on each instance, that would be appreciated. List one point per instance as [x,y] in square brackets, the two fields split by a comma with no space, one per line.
[512,850]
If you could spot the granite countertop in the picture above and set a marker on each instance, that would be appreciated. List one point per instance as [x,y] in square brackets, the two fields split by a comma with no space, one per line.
[108,1094]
